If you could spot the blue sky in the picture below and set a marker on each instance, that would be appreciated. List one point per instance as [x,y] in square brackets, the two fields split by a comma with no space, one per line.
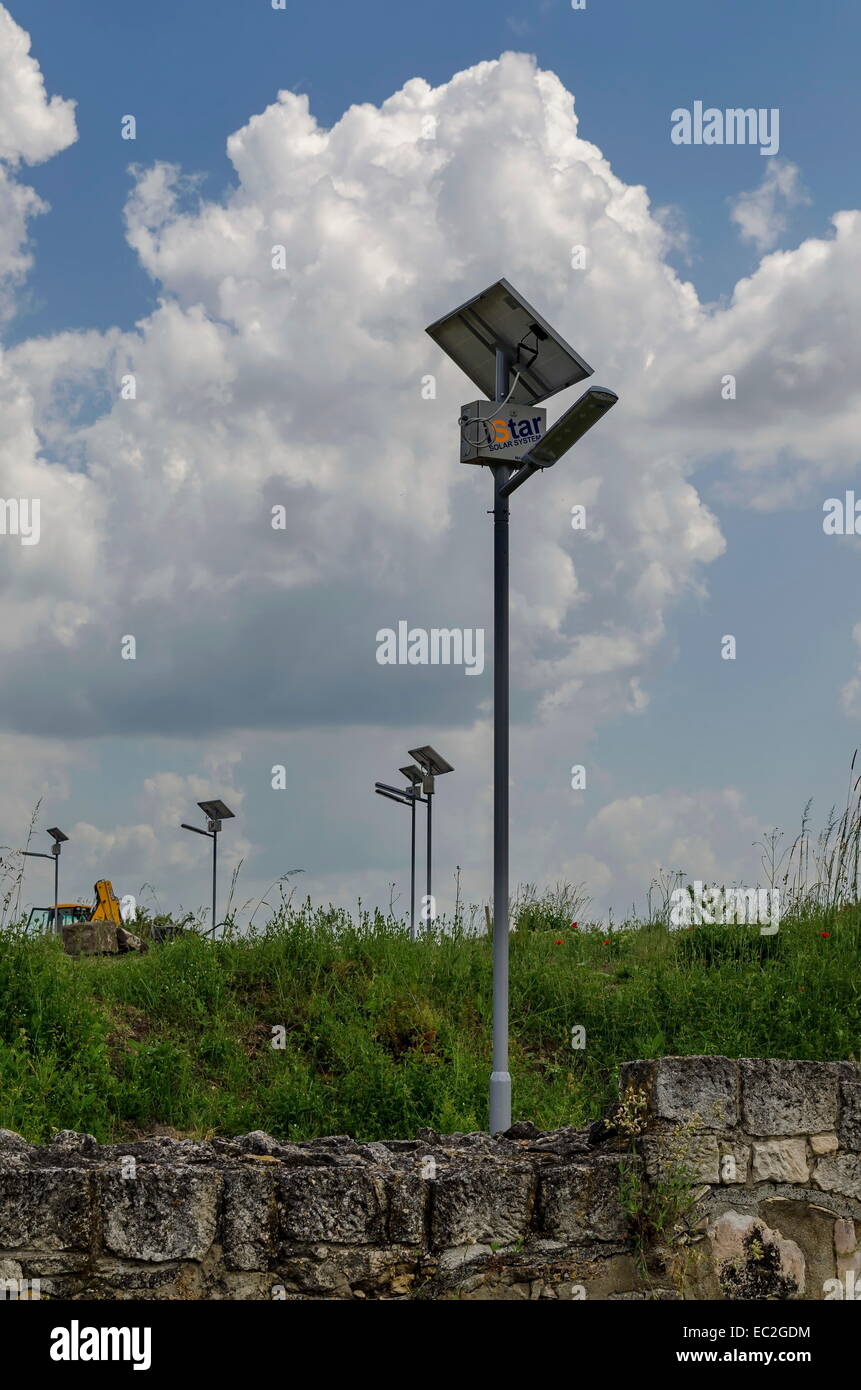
[194,69]
[771,724]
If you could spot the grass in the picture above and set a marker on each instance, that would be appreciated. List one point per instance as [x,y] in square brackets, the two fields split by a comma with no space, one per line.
[382,1035]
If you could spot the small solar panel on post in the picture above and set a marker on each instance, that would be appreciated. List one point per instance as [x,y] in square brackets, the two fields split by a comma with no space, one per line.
[432,765]
[215,812]
[59,840]
[490,336]
[407,796]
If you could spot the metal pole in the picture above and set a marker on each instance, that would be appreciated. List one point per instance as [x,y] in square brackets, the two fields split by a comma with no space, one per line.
[413,868]
[429,899]
[214,857]
[500,1079]
[57,890]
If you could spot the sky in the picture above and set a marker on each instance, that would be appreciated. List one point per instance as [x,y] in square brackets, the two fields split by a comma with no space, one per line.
[405,158]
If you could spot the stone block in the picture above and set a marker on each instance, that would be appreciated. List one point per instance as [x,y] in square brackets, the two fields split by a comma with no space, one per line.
[161,1214]
[90,939]
[823,1144]
[785,1097]
[780,1160]
[697,1155]
[248,1220]
[840,1175]
[850,1115]
[337,1206]
[408,1200]
[580,1201]
[704,1089]
[45,1209]
[482,1203]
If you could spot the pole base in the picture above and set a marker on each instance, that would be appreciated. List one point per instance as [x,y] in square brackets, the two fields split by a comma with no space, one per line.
[500,1101]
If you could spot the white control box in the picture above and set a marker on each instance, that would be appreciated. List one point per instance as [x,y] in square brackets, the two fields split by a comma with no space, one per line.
[493,433]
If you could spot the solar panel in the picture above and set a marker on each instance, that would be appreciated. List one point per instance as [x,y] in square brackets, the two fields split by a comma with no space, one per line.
[500,317]
[431,760]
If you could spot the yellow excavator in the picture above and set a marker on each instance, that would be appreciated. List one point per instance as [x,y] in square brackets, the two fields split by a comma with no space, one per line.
[96,930]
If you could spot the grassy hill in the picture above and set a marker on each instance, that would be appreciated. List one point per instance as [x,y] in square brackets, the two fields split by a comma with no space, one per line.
[382,1035]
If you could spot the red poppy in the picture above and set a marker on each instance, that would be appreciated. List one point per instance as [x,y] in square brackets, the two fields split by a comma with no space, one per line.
[606,943]
[557,943]
[825,933]
[574,926]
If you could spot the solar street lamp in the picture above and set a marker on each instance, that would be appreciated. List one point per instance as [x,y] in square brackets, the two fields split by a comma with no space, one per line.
[490,336]
[406,796]
[432,765]
[215,812]
[59,840]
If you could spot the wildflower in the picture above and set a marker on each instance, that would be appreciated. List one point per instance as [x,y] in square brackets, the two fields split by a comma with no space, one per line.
[574,926]
[606,942]
[825,933]
[557,943]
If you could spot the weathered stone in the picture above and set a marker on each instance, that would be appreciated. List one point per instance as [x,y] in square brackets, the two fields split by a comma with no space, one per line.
[127,941]
[68,1141]
[704,1089]
[668,1155]
[90,939]
[848,1255]
[823,1143]
[845,1240]
[840,1174]
[783,1097]
[408,1198]
[850,1115]
[160,1214]
[11,1142]
[753,1261]
[811,1228]
[342,1206]
[580,1202]
[14,1150]
[780,1160]
[485,1203]
[45,1209]
[248,1219]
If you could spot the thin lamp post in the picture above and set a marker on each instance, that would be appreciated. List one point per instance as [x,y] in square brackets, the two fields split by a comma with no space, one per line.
[500,1077]
[406,797]
[215,812]
[415,777]
[579,418]
[32,854]
[432,765]
[487,336]
[59,840]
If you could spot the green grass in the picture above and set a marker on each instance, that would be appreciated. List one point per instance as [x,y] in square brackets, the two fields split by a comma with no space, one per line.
[384,1035]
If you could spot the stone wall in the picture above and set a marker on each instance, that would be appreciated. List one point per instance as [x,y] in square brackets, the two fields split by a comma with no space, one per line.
[777,1146]
[765,1157]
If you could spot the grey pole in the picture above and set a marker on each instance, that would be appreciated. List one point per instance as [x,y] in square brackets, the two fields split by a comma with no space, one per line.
[429,895]
[214,858]
[413,868]
[56,888]
[500,1079]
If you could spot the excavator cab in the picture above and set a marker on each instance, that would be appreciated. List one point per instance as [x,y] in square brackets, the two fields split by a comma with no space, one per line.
[42,918]
[106,908]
